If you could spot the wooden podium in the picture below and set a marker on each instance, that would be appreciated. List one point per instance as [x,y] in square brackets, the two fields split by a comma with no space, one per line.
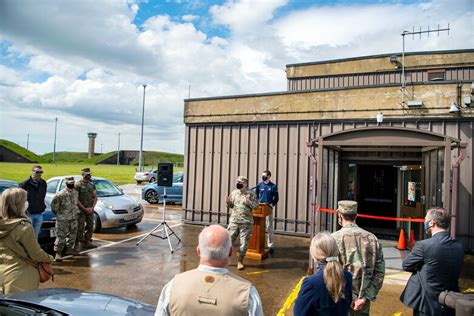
[256,250]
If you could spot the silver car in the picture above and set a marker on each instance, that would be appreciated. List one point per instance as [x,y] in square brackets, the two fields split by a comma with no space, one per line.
[146,176]
[113,208]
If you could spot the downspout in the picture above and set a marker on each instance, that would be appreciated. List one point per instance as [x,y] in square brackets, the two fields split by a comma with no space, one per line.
[314,164]
[454,199]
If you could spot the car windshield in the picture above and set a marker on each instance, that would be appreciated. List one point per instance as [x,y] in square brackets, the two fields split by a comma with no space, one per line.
[106,188]
[177,177]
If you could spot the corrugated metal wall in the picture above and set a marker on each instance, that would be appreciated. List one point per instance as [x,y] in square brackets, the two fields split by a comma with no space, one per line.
[216,154]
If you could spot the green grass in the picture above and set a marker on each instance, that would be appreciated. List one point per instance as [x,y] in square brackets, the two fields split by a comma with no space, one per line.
[152,158]
[117,174]
[19,150]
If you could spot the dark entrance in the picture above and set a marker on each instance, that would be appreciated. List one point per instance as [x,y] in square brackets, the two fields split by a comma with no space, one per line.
[377,195]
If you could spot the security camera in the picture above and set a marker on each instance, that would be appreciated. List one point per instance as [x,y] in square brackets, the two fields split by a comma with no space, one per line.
[394,61]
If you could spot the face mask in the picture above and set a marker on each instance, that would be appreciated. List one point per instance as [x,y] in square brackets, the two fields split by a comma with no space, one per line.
[264,178]
[26,206]
[239,186]
[427,227]
[87,177]
[70,185]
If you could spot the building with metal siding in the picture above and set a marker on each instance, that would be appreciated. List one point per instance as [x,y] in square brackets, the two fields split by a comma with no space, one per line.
[246,134]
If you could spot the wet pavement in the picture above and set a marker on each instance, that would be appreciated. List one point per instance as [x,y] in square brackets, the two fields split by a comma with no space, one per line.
[119,266]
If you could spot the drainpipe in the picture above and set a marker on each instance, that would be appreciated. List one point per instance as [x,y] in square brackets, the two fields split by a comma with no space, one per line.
[314,164]
[454,199]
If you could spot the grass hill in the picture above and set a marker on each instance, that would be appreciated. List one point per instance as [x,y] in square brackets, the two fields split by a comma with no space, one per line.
[65,156]
[21,151]
[152,158]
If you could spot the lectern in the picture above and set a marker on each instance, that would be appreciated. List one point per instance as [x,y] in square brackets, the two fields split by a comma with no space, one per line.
[256,250]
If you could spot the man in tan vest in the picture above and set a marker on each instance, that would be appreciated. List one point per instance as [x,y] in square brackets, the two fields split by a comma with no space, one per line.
[210,289]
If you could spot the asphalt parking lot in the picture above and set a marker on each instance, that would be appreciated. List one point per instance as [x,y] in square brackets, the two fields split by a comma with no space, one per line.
[119,266]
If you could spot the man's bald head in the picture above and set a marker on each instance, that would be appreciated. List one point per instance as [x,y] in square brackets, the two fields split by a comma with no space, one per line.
[214,244]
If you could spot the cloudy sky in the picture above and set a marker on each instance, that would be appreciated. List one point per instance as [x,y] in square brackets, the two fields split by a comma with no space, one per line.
[84,61]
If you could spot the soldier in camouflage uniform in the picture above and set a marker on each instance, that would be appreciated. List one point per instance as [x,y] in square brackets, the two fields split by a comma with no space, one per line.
[87,202]
[64,205]
[242,201]
[361,254]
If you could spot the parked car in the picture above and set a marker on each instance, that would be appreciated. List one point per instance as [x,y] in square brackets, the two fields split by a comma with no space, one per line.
[146,176]
[7,184]
[47,234]
[64,301]
[113,209]
[153,193]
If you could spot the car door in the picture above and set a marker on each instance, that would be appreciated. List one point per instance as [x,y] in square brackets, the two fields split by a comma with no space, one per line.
[51,189]
[176,191]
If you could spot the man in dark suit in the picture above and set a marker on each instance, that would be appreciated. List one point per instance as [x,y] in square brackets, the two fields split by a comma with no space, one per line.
[436,265]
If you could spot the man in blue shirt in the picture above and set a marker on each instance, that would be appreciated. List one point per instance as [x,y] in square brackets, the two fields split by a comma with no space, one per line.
[267,192]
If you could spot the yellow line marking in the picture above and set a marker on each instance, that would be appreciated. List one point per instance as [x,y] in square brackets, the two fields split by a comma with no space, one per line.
[257,272]
[291,298]
[397,314]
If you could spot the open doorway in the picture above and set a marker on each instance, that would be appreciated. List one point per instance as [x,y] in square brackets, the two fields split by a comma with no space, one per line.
[375,188]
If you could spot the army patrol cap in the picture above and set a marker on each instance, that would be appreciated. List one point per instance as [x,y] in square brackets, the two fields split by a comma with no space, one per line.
[347,207]
[242,179]
[85,171]
[69,180]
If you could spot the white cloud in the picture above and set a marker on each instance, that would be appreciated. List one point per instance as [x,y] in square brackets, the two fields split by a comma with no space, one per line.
[96,60]
[245,15]
[189,18]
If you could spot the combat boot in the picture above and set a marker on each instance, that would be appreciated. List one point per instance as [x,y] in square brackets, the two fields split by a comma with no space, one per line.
[240,265]
[58,257]
[89,244]
[77,248]
[69,252]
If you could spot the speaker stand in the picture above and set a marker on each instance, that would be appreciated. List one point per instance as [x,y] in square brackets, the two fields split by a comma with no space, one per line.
[164,225]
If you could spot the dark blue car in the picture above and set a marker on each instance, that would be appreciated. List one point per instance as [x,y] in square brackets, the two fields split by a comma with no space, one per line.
[47,234]
[153,193]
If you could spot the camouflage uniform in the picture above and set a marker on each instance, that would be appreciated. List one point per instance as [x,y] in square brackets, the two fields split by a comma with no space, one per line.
[241,220]
[64,205]
[361,254]
[85,222]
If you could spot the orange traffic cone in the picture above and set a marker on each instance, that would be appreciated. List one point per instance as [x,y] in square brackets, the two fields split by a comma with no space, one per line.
[401,240]
[411,240]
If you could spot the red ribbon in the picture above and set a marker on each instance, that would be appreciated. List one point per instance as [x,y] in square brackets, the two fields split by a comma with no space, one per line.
[383,218]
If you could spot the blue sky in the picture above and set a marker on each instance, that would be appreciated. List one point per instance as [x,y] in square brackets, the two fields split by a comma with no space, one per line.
[85,61]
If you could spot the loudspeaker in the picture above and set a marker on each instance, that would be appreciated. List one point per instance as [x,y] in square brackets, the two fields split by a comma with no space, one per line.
[165,174]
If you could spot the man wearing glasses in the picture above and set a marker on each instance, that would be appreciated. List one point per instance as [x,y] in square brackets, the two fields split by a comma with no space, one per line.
[35,188]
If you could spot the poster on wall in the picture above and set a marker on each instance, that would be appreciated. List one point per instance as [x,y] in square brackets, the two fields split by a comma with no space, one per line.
[411,191]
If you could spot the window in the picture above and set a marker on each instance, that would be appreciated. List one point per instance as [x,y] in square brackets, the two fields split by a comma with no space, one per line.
[436,74]
[52,185]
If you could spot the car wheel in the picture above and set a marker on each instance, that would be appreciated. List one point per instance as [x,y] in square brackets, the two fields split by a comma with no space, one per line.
[139,182]
[152,180]
[97,224]
[151,197]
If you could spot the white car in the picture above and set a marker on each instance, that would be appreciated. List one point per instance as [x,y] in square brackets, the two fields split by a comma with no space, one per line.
[113,208]
[146,176]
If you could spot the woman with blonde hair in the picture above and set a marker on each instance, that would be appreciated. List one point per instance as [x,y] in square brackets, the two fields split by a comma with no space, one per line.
[18,245]
[329,290]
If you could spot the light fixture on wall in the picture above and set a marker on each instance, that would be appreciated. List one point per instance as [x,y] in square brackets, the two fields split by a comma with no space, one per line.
[454,108]
[395,62]
[379,118]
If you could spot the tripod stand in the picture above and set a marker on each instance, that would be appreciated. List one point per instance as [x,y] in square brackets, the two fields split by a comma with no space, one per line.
[165,234]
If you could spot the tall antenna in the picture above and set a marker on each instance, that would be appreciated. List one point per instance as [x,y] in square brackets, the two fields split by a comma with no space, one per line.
[413,33]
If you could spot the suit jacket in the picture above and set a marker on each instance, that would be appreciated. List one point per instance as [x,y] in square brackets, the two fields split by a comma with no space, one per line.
[436,265]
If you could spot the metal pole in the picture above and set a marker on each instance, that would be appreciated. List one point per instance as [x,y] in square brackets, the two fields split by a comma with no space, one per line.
[55,131]
[140,157]
[27,141]
[403,61]
[118,151]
